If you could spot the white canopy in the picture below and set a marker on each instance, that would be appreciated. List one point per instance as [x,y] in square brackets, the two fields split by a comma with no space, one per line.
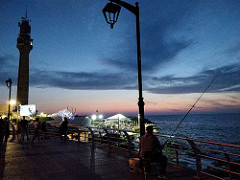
[117,117]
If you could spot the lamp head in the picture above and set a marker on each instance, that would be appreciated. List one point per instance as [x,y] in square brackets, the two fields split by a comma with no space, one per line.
[9,82]
[111,12]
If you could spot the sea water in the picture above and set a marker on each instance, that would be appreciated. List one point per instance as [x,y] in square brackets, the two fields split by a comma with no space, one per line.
[223,128]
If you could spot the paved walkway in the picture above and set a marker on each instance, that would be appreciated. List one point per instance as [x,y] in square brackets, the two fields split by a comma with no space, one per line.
[52,159]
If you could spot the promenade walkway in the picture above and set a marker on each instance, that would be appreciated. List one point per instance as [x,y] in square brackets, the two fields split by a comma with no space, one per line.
[52,159]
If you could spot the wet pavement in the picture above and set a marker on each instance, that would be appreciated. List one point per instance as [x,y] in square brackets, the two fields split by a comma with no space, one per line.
[52,159]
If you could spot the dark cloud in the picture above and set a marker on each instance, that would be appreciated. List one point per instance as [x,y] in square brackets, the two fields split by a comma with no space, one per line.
[227,80]
[81,80]
[156,50]
[124,65]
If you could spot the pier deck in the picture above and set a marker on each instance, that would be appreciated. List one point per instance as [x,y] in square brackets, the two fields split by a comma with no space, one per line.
[52,159]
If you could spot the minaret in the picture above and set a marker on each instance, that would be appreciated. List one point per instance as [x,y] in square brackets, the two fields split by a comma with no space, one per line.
[24,45]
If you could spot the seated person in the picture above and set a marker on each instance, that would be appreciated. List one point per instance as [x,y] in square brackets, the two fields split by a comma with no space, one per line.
[150,150]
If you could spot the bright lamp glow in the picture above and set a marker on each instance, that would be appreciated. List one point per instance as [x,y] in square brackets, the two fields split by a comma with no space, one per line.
[94,117]
[12,102]
[100,116]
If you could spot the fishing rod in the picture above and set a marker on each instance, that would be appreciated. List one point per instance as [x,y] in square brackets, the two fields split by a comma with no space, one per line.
[190,110]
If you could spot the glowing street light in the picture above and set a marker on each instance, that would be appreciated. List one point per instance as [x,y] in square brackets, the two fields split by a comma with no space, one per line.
[100,116]
[111,12]
[94,117]
[13,102]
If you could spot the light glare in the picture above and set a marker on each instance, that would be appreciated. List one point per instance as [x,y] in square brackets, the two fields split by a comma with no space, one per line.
[94,117]
[12,102]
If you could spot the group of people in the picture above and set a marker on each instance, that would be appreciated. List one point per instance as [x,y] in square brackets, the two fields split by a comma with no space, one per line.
[22,130]
[4,131]
[37,128]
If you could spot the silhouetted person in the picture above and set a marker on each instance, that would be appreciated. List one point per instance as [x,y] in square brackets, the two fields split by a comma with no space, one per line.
[36,130]
[6,129]
[63,129]
[19,131]
[24,126]
[1,132]
[44,129]
[150,150]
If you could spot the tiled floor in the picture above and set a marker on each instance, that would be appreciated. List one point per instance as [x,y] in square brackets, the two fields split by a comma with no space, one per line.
[52,159]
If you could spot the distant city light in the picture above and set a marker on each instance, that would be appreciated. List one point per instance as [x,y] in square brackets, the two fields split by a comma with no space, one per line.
[41,113]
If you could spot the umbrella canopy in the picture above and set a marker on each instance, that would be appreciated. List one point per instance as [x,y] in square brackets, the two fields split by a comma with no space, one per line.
[64,113]
[117,117]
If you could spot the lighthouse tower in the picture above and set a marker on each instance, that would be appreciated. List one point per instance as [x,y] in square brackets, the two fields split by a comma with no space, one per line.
[24,45]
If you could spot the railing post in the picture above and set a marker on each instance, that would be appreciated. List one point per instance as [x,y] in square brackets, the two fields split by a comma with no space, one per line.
[91,134]
[79,136]
[108,137]
[119,131]
[228,165]
[100,134]
[198,158]
[72,134]
[129,141]
[176,151]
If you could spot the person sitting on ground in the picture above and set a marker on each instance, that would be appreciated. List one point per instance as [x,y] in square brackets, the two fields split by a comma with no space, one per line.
[63,129]
[150,150]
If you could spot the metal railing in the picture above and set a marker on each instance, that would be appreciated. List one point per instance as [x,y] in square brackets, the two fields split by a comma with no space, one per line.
[209,159]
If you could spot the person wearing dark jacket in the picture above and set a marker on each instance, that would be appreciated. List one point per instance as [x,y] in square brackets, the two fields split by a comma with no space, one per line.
[150,150]
[1,132]
[63,129]
[6,129]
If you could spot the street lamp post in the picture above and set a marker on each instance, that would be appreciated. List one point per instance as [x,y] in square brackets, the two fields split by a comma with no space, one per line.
[111,12]
[9,85]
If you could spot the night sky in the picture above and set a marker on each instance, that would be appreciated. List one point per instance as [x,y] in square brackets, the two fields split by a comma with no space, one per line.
[78,61]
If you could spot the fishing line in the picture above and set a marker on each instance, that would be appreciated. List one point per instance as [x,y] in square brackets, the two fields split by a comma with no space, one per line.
[190,109]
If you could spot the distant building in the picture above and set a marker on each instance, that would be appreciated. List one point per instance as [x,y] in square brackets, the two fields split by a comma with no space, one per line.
[4,110]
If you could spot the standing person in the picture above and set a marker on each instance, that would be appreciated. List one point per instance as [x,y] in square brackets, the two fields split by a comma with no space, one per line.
[63,129]
[44,128]
[6,129]
[1,132]
[150,149]
[24,126]
[36,130]
[19,131]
